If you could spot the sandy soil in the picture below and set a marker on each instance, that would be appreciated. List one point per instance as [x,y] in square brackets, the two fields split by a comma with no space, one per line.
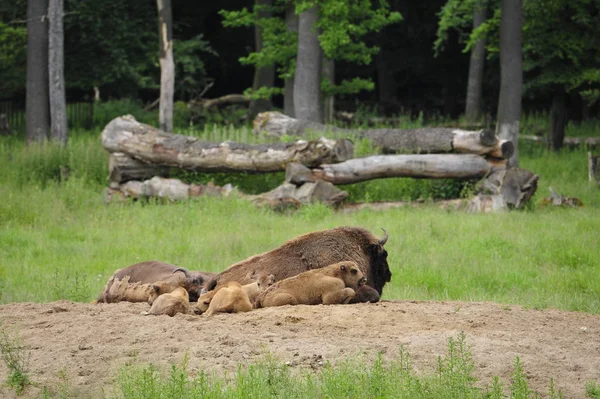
[89,343]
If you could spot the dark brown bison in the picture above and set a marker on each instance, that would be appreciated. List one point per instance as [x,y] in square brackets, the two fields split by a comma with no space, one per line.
[365,294]
[314,251]
[153,271]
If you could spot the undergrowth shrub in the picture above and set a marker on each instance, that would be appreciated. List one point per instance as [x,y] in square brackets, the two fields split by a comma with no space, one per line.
[353,378]
[15,358]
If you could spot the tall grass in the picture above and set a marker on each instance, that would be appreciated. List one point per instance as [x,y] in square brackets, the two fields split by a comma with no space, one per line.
[59,240]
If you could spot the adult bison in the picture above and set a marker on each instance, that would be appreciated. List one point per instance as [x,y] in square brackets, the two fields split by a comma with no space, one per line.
[314,251]
[151,272]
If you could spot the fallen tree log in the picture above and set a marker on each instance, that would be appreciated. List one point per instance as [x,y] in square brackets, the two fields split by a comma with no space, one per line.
[421,140]
[209,103]
[152,146]
[451,166]
[168,189]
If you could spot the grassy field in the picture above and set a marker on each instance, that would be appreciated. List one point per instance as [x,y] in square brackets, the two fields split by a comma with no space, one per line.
[59,240]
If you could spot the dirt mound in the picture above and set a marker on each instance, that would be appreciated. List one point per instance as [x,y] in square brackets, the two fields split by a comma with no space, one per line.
[89,343]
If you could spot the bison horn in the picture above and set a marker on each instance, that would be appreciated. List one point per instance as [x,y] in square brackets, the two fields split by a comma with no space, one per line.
[181,269]
[384,239]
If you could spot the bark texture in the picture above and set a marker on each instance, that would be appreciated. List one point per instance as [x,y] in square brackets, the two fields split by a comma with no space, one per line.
[421,140]
[453,166]
[593,168]
[476,67]
[36,108]
[56,71]
[264,76]
[151,146]
[511,75]
[167,64]
[307,80]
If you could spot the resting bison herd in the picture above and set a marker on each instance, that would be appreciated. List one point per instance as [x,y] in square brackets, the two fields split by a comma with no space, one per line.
[336,266]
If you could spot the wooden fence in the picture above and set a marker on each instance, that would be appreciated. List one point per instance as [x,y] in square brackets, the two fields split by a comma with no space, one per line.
[79,114]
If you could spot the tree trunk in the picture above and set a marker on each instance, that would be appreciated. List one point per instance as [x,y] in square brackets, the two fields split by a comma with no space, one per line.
[291,21]
[593,168]
[36,109]
[56,70]
[476,66]
[329,101]
[450,166]
[264,76]
[307,80]
[167,65]
[511,75]
[558,120]
[154,148]
[421,140]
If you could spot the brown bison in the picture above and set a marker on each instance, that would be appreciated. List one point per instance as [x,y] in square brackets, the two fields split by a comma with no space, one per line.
[366,294]
[314,251]
[151,272]
[333,284]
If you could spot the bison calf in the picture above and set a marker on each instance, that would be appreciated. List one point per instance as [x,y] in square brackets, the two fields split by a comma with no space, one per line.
[172,303]
[333,284]
[229,298]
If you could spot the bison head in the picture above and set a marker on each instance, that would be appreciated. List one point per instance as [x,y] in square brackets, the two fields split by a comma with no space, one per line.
[194,282]
[380,270]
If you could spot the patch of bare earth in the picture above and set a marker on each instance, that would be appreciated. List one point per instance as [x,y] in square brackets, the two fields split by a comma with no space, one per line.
[90,343]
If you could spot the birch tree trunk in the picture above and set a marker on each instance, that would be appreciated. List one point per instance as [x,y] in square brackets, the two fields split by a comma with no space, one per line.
[476,66]
[291,21]
[511,75]
[167,64]
[264,76]
[56,70]
[36,107]
[307,80]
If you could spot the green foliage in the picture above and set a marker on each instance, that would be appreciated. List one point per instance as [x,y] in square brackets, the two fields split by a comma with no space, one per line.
[15,359]
[560,41]
[343,26]
[592,390]
[519,388]
[110,42]
[106,111]
[13,56]
[567,54]
[190,69]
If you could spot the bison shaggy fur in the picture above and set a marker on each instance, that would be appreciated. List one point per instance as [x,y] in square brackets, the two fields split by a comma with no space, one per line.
[314,251]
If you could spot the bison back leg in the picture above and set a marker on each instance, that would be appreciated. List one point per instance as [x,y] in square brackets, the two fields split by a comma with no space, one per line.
[280,300]
[338,296]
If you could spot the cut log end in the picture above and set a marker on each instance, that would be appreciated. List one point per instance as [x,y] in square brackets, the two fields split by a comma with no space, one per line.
[487,137]
[508,149]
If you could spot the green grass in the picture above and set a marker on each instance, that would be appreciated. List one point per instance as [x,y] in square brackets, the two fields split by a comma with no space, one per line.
[355,378]
[15,359]
[58,240]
